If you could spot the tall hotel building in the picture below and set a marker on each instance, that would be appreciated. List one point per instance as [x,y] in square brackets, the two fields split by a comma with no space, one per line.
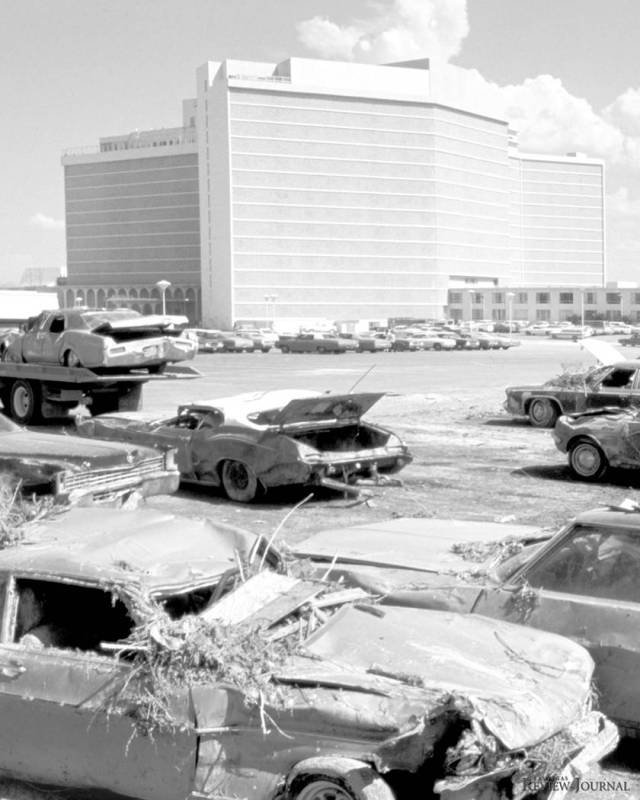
[314,189]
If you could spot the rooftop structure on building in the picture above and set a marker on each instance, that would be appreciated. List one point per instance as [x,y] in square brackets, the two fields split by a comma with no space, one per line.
[316,188]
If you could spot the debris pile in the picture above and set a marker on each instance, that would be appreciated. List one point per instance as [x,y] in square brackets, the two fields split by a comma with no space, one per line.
[483,551]
[572,378]
[16,511]
[242,640]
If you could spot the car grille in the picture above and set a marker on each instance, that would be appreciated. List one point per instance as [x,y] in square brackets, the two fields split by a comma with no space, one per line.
[104,479]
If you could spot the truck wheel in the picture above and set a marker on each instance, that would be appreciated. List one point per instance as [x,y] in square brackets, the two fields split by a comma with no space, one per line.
[239,481]
[543,413]
[71,359]
[24,402]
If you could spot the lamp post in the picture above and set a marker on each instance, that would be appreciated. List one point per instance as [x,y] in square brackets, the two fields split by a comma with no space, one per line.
[163,286]
[270,298]
[470,294]
[510,296]
[621,307]
[582,311]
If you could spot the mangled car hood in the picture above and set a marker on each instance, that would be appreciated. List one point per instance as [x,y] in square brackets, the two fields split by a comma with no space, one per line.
[524,685]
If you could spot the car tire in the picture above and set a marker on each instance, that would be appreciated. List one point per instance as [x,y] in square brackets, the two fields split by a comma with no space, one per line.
[284,349]
[363,784]
[71,359]
[543,413]
[587,461]
[24,402]
[239,481]
[437,347]
[320,350]
[266,349]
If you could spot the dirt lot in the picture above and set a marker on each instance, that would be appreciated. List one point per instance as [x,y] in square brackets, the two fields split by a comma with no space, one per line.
[470,460]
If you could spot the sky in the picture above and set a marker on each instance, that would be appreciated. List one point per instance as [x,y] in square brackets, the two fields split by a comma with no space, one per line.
[567,73]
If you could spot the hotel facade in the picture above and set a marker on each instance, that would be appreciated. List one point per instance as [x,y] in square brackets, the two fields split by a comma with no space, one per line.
[324,190]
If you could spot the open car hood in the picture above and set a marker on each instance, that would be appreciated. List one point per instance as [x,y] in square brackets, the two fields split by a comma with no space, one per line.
[341,408]
[604,352]
[150,321]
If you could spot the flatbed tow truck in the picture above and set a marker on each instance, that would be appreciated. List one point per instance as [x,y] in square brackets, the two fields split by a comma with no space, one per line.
[31,393]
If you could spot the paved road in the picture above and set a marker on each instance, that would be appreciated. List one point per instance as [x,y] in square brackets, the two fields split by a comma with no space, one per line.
[406,373]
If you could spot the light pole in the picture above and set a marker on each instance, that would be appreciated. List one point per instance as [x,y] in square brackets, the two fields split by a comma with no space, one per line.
[163,286]
[270,298]
[470,295]
[582,311]
[621,307]
[510,296]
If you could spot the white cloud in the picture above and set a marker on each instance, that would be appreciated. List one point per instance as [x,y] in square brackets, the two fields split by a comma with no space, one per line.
[625,112]
[47,223]
[398,31]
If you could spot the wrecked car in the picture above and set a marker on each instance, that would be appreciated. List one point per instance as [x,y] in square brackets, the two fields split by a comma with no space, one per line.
[597,440]
[157,666]
[74,470]
[582,582]
[574,392]
[119,339]
[253,442]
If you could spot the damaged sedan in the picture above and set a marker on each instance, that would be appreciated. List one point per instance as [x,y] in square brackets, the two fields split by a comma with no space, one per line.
[157,666]
[76,471]
[253,442]
[598,440]
[574,392]
[102,340]
[583,582]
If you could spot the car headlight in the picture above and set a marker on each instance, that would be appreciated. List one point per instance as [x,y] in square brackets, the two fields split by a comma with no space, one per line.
[170,460]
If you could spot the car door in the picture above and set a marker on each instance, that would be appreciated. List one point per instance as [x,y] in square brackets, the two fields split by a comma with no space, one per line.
[32,341]
[47,344]
[585,585]
[54,725]
[619,387]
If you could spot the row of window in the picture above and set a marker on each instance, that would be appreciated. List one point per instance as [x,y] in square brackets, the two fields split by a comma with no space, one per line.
[543,298]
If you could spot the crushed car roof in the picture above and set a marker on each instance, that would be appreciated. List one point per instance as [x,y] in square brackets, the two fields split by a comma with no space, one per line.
[156,549]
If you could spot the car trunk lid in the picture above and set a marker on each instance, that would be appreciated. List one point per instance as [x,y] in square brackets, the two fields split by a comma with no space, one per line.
[329,409]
